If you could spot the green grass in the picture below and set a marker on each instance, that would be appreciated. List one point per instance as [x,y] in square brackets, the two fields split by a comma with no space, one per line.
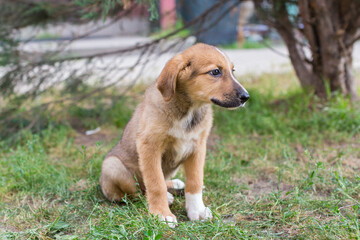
[47,35]
[248,44]
[285,167]
[181,34]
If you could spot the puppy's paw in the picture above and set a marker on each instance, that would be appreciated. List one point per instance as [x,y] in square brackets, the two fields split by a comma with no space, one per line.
[195,207]
[170,221]
[206,214]
[170,198]
[199,214]
[165,216]
[178,184]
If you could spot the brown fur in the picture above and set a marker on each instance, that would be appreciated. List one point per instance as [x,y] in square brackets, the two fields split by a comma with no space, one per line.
[169,128]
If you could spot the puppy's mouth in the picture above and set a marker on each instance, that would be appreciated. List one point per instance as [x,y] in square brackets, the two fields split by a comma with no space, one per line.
[233,104]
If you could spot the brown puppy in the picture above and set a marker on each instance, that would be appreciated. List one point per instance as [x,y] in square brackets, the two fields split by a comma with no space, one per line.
[170,128]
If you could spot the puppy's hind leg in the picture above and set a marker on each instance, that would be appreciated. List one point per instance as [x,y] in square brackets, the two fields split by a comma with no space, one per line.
[175,184]
[174,187]
[116,179]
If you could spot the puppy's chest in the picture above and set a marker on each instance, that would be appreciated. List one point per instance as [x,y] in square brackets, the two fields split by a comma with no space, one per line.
[185,135]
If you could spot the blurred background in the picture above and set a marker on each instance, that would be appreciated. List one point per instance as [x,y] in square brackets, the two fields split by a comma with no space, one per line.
[285,166]
[72,46]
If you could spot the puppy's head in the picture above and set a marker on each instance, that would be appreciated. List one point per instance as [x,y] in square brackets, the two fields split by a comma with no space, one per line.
[205,74]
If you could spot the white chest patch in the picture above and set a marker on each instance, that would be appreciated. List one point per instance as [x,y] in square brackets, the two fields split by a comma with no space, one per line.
[185,140]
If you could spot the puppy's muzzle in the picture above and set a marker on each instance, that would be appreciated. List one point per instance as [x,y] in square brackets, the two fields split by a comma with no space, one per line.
[234,100]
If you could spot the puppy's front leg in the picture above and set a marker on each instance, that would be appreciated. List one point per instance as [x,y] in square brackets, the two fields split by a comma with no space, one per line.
[156,189]
[194,171]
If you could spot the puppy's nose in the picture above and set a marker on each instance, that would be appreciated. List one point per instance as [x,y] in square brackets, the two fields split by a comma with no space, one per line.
[243,95]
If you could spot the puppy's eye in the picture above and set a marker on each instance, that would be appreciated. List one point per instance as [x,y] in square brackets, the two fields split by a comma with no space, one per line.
[215,72]
[233,69]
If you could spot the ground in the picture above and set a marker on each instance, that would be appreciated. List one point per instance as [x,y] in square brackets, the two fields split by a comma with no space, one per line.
[285,167]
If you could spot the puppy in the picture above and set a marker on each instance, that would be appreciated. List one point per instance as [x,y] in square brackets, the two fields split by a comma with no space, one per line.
[170,128]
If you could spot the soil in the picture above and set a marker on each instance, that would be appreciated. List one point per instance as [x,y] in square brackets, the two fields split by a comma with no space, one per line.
[262,186]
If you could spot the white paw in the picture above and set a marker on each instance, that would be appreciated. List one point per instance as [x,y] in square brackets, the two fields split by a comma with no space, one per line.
[170,198]
[199,214]
[206,214]
[195,207]
[170,221]
[178,184]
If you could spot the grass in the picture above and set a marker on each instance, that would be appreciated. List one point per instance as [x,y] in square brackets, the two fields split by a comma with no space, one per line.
[285,167]
[248,44]
[181,34]
[47,35]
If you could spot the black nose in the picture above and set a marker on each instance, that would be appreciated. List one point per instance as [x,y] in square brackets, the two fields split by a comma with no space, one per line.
[243,95]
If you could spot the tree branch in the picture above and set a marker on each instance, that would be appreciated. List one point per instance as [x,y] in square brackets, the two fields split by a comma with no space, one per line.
[309,31]
[292,39]
[355,39]
[51,71]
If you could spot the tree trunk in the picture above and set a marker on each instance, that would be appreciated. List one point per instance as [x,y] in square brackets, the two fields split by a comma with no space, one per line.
[330,28]
[303,69]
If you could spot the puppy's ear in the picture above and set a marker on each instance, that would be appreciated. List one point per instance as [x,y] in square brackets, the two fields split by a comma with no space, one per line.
[166,82]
